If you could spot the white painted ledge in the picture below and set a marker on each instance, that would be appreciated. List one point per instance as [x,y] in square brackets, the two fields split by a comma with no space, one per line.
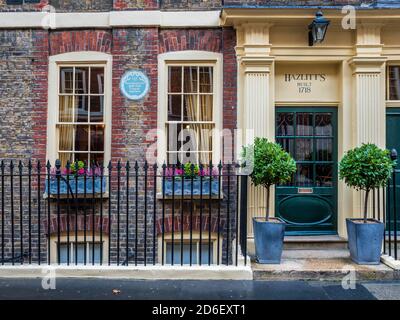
[390,262]
[132,272]
[59,20]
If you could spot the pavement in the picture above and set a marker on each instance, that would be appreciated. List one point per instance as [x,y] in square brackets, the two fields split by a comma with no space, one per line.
[107,289]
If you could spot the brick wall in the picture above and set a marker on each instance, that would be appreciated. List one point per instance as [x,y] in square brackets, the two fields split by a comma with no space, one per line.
[23,93]
[82,5]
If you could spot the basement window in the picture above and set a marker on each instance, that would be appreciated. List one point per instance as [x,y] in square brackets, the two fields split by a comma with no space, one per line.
[18,2]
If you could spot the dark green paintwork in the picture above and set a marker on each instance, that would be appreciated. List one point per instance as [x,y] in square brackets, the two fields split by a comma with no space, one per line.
[314,213]
[393,142]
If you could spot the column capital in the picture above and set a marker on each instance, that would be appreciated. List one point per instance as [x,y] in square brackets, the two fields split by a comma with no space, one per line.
[367,64]
[253,39]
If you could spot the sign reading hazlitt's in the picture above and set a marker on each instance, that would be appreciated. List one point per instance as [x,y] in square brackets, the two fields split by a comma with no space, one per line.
[135,84]
[306,82]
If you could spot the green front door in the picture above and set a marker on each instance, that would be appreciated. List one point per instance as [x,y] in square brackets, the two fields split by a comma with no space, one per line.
[308,204]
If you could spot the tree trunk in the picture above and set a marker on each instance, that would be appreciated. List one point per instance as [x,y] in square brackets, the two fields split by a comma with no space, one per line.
[268,192]
[366,206]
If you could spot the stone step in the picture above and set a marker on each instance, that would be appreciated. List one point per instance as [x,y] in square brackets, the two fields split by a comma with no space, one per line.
[329,265]
[307,243]
[315,242]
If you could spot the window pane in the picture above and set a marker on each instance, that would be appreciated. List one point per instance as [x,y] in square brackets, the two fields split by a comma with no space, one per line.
[206,79]
[96,80]
[65,140]
[174,107]
[173,131]
[66,109]
[304,149]
[304,177]
[394,83]
[82,138]
[323,150]
[97,158]
[304,124]
[81,252]
[186,157]
[204,136]
[323,124]
[81,108]
[206,108]
[82,157]
[190,79]
[190,107]
[97,248]
[177,253]
[287,144]
[174,79]
[323,175]
[97,138]
[64,157]
[96,108]
[64,254]
[66,80]
[205,253]
[285,124]
[81,80]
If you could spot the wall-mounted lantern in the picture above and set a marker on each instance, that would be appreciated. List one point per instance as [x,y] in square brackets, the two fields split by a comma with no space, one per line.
[317,29]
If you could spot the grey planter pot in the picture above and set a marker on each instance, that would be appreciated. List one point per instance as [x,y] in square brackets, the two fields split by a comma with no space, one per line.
[268,240]
[365,240]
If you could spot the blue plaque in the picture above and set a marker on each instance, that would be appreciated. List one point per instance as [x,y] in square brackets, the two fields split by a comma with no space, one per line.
[135,84]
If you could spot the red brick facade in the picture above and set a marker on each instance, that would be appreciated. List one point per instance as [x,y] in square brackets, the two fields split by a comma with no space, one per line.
[72,41]
[99,224]
[39,93]
[178,227]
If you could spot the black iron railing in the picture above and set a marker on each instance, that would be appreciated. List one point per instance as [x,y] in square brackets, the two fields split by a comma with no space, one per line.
[391,217]
[122,214]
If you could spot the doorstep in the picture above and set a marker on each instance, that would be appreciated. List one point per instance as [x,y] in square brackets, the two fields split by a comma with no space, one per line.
[320,264]
[221,272]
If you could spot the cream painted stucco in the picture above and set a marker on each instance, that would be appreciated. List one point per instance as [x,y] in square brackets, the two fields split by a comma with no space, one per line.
[272,41]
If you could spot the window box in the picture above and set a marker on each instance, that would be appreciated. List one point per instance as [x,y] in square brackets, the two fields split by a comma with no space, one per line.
[199,187]
[76,186]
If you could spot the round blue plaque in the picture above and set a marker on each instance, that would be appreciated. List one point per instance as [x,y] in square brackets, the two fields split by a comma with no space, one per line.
[135,84]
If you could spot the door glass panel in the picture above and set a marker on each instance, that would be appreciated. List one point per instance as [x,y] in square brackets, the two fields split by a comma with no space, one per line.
[323,175]
[394,83]
[285,124]
[310,144]
[304,149]
[304,177]
[287,144]
[323,124]
[323,150]
[304,124]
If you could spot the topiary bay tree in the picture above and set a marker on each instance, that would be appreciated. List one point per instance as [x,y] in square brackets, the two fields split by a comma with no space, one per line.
[366,168]
[270,165]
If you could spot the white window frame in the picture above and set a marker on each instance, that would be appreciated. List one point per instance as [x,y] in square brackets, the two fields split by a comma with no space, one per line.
[81,240]
[77,59]
[189,58]
[195,244]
